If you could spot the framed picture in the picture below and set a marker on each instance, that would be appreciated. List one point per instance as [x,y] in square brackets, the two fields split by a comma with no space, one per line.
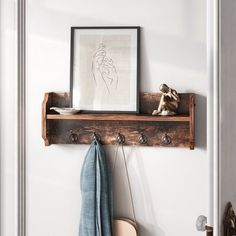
[105,69]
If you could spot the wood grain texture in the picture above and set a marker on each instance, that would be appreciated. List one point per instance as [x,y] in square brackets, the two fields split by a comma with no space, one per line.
[79,129]
[44,118]
[118,117]
[150,102]
[192,121]
[61,131]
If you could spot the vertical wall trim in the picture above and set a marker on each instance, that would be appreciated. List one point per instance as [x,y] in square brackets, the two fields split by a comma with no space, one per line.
[210,107]
[216,120]
[216,116]
[21,106]
[213,132]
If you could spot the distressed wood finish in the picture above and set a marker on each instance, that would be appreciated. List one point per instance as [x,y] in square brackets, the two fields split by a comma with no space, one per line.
[79,129]
[192,121]
[118,117]
[46,102]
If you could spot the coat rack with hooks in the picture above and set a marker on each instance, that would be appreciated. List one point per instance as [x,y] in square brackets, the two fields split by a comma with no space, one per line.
[128,129]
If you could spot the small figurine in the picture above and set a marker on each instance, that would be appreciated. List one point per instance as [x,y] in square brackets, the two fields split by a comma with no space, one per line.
[169,101]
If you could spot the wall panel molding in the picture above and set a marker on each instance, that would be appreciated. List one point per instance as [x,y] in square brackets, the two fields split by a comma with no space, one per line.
[21,107]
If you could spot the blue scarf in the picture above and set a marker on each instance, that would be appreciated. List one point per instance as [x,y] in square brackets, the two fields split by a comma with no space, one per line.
[95,184]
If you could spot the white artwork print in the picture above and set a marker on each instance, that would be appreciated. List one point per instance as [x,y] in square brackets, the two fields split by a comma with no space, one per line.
[104,71]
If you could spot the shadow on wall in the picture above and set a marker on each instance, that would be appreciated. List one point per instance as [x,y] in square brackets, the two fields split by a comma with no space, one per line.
[149,219]
[145,214]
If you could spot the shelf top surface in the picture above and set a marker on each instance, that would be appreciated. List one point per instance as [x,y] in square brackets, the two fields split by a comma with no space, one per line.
[119,117]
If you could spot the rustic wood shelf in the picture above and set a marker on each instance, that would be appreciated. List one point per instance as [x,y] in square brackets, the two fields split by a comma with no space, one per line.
[118,117]
[138,129]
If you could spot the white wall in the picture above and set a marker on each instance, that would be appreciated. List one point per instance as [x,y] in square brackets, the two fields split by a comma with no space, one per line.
[227,103]
[8,121]
[170,185]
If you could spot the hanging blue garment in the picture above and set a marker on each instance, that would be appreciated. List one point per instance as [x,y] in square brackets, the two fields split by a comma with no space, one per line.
[95,184]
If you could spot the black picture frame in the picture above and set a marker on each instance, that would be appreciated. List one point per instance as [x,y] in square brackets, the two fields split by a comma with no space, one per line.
[88,53]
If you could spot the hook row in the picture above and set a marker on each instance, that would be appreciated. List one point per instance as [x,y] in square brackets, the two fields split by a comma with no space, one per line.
[120,138]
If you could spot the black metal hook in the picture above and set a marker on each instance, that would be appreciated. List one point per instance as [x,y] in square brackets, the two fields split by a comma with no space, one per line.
[73,137]
[96,136]
[120,138]
[142,139]
[166,139]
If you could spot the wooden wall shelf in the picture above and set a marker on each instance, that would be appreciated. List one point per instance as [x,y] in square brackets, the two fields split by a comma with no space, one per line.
[140,129]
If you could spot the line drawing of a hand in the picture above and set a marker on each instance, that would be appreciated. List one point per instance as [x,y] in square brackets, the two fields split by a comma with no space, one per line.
[103,69]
